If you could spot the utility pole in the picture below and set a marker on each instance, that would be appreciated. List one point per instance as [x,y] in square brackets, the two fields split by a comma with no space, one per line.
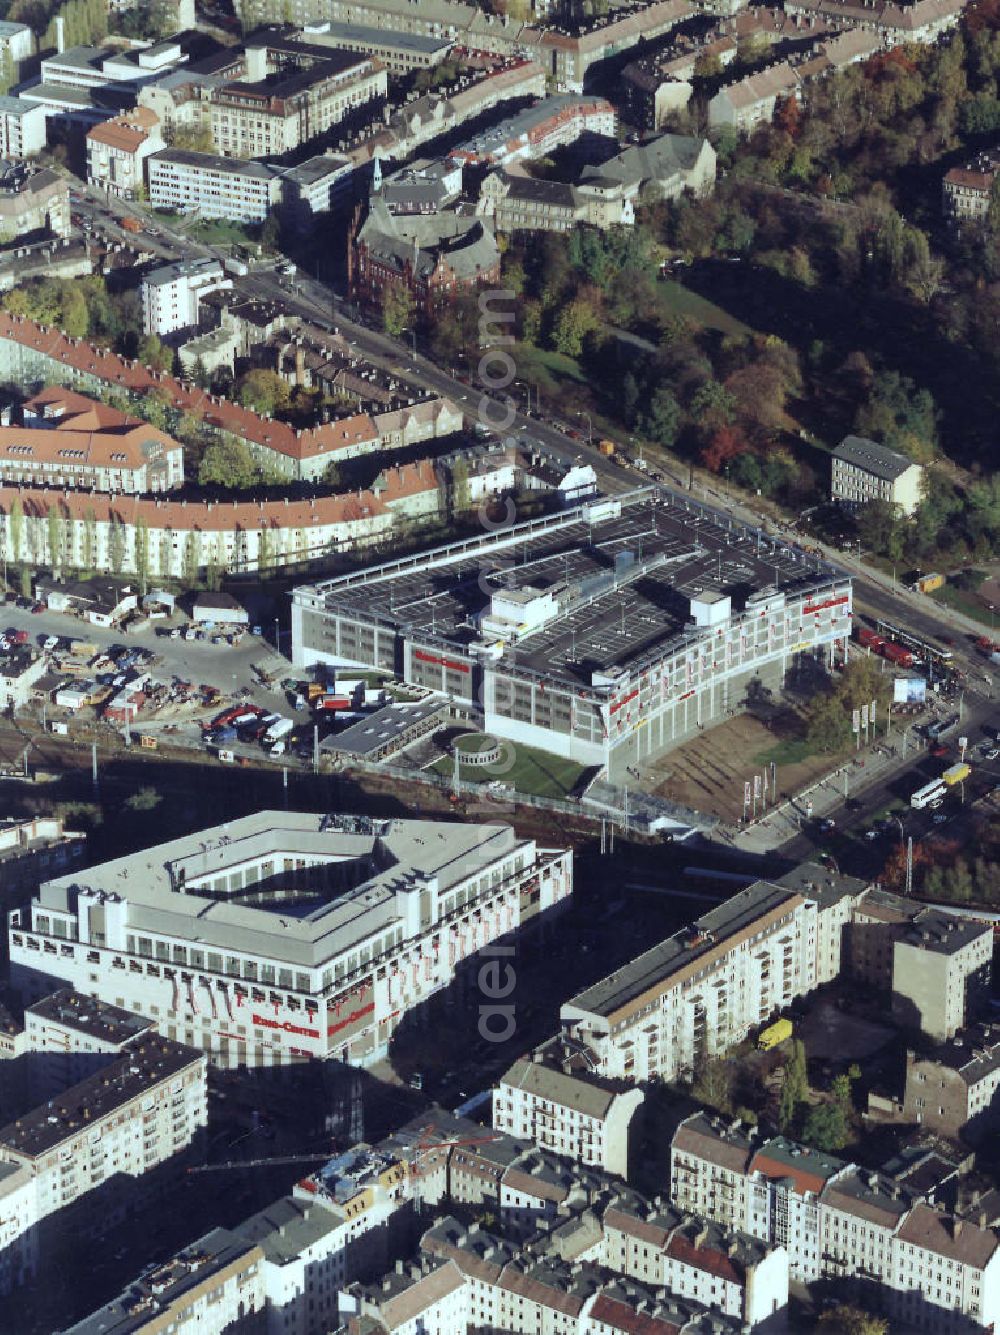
[315,748]
[93,764]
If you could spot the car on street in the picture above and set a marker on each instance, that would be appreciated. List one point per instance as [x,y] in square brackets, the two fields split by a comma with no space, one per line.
[992,754]
[828,823]
[939,817]
[871,835]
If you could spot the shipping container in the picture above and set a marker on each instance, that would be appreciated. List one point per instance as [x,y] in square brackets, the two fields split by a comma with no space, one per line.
[928,583]
[332,702]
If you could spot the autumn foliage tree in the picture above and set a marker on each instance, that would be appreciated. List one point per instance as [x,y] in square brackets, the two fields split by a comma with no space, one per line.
[726,444]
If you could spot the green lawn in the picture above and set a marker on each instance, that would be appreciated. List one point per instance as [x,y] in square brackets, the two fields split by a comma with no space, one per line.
[967,603]
[789,751]
[679,300]
[529,771]
[222,232]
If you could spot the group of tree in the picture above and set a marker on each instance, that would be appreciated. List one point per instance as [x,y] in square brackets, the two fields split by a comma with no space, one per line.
[945,870]
[830,713]
[824,1124]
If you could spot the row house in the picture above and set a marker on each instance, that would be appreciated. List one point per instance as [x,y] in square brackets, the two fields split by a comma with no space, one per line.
[877,1237]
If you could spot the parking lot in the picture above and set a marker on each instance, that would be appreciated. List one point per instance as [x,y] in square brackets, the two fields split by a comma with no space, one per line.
[226,667]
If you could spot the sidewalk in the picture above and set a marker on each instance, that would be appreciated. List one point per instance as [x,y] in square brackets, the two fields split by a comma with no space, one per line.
[850,779]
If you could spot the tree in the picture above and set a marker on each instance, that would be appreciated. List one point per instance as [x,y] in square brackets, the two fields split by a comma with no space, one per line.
[266,392]
[726,444]
[190,562]
[662,419]
[270,233]
[55,538]
[397,308]
[825,1128]
[142,552]
[75,315]
[713,1085]
[228,463]
[144,799]
[116,545]
[848,1320]
[575,321]
[794,1084]
[152,353]
[880,528]
[16,528]
[90,539]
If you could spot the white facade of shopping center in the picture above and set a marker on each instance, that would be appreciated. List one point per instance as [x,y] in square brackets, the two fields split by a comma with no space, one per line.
[378,916]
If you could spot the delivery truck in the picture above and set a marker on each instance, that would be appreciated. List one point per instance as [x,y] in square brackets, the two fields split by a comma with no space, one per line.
[774,1035]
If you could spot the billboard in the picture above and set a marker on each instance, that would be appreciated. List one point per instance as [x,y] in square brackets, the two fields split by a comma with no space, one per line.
[909,690]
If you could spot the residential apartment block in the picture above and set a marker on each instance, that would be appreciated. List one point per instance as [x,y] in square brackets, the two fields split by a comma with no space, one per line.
[68,440]
[864,471]
[968,191]
[117,151]
[544,1100]
[213,1287]
[953,1089]
[290,93]
[935,966]
[22,127]
[136,1112]
[32,201]
[212,187]
[391,909]
[171,293]
[702,990]
[877,1237]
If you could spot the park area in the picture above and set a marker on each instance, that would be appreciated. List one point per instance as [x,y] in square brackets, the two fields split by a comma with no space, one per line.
[708,772]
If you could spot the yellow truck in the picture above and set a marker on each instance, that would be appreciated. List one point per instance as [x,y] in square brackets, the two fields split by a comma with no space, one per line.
[774,1035]
[955,774]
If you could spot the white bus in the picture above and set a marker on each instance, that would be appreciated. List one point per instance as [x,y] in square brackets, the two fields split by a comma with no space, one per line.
[930,792]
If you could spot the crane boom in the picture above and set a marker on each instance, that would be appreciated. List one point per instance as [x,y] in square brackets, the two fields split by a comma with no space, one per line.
[262,1163]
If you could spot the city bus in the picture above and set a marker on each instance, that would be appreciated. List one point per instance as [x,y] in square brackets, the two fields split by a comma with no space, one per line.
[930,792]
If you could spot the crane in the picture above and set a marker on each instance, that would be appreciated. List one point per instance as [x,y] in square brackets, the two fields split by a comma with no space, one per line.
[262,1163]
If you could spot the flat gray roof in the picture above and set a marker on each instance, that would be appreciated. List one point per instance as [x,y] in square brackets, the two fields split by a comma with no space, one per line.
[385,727]
[627,582]
[160,884]
[655,966]
[385,37]
[185,157]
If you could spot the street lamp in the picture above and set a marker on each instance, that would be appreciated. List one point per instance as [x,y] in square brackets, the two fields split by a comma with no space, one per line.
[902,832]
[277,636]
[590,426]
[413,334]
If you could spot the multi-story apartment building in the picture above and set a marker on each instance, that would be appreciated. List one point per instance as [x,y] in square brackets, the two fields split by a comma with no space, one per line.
[968,191]
[68,440]
[953,1090]
[552,123]
[694,1258]
[133,1114]
[702,990]
[211,186]
[322,184]
[19,1242]
[864,471]
[213,1287]
[32,201]
[187,932]
[22,127]
[873,1234]
[69,1036]
[291,93]
[544,1100]
[170,293]
[117,151]
[935,966]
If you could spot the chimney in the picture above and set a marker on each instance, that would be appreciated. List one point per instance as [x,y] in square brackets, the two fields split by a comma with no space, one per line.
[60,34]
